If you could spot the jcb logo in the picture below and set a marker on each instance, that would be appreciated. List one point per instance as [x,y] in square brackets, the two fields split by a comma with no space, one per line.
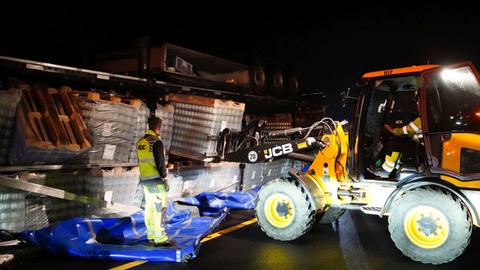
[278,150]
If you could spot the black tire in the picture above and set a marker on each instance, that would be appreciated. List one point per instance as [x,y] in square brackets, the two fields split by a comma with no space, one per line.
[459,227]
[258,78]
[304,213]
[330,215]
[292,86]
[277,82]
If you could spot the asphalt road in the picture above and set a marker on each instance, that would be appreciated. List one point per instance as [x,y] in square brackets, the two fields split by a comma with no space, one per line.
[356,241]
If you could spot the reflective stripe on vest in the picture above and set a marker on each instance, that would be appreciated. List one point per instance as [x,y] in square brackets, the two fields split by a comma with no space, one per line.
[414,127]
[146,159]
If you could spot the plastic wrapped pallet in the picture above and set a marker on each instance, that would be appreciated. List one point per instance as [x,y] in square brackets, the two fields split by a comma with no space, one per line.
[12,210]
[187,181]
[166,113]
[36,216]
[190,181]
[51,210]
[276,169]
[197,119]
[116,185]
[141,126]
[258,174]
[110,125]
[8,107]
[253,175]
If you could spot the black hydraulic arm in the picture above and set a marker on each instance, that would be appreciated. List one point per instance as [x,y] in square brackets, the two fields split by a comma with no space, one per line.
[247,146]
[265,152]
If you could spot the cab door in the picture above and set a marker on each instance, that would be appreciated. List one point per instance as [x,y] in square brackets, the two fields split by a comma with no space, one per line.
[450,104]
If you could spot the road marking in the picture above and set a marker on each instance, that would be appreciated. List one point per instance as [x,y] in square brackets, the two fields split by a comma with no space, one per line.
[205,239]
[228,230]
[128,265]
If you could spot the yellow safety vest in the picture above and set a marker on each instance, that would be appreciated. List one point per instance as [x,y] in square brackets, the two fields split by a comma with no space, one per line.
[412,130]
[146,160]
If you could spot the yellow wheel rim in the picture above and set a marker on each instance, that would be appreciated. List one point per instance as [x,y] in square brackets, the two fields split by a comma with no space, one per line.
[426,227]
[279,210]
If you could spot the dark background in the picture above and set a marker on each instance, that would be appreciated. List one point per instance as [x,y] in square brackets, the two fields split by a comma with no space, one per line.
[328,47]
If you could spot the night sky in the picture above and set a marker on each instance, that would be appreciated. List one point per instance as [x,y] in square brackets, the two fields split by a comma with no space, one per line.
[329,48]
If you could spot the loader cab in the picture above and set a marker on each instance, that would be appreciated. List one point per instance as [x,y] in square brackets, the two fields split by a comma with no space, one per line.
[390,97]
[447,99]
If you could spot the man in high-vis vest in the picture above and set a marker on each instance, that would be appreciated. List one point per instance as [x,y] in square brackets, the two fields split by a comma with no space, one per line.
[413,131]
[153,173]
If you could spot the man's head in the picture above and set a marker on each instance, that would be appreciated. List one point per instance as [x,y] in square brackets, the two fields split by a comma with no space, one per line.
[155,124]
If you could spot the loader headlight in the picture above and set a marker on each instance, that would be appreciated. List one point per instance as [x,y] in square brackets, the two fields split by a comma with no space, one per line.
[456,75]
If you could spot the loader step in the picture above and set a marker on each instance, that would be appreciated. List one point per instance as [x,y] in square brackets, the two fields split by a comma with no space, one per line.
[371,210]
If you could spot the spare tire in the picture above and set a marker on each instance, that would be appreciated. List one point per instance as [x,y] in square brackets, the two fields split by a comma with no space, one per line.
[292,88]
[258,78]
[277,82]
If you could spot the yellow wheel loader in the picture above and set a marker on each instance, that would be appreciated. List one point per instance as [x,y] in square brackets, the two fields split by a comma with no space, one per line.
[430,196]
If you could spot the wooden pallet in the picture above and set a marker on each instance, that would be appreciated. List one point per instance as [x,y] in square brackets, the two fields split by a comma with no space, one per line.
[53,119]
[91,95]
[205,101]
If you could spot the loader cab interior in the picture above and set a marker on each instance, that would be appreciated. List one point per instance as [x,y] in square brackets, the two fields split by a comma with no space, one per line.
[391,101]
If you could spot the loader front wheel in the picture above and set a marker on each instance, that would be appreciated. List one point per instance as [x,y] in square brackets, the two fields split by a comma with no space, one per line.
[429,225]
[284,209]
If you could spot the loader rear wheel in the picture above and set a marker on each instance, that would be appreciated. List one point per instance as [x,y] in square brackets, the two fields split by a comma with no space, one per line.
[284,209]
[330,215]
[429,225]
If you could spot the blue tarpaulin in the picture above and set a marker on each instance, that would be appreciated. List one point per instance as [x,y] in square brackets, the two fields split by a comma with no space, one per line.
[125,238]
[212,203]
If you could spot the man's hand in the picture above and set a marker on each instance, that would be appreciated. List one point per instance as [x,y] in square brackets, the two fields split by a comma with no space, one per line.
[388,127]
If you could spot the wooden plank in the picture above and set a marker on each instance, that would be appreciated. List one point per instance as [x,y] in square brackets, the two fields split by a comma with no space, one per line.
[135,102]
[77,124]
[115,99]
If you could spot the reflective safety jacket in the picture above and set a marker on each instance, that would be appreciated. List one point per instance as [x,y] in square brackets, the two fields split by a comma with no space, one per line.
[151,157]
[413,130]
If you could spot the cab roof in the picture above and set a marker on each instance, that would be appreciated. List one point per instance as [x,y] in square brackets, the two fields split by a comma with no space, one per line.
[396,71]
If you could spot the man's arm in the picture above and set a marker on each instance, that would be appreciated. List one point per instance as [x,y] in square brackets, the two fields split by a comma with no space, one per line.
[159,156]
[409,129]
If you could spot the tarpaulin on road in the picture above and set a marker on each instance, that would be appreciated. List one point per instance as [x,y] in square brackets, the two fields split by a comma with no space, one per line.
[125,238]
[213,203]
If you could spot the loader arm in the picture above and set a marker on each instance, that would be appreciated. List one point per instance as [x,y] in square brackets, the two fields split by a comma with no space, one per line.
[247,146]
[262,153]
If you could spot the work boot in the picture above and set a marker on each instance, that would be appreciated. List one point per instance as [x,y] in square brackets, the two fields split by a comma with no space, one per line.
[169,242]
[378,171]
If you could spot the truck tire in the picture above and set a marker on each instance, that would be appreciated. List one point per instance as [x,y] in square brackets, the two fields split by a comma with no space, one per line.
[429,225]
[284,210]
[277,82]
[330,215]
[258,78]
[292,85]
